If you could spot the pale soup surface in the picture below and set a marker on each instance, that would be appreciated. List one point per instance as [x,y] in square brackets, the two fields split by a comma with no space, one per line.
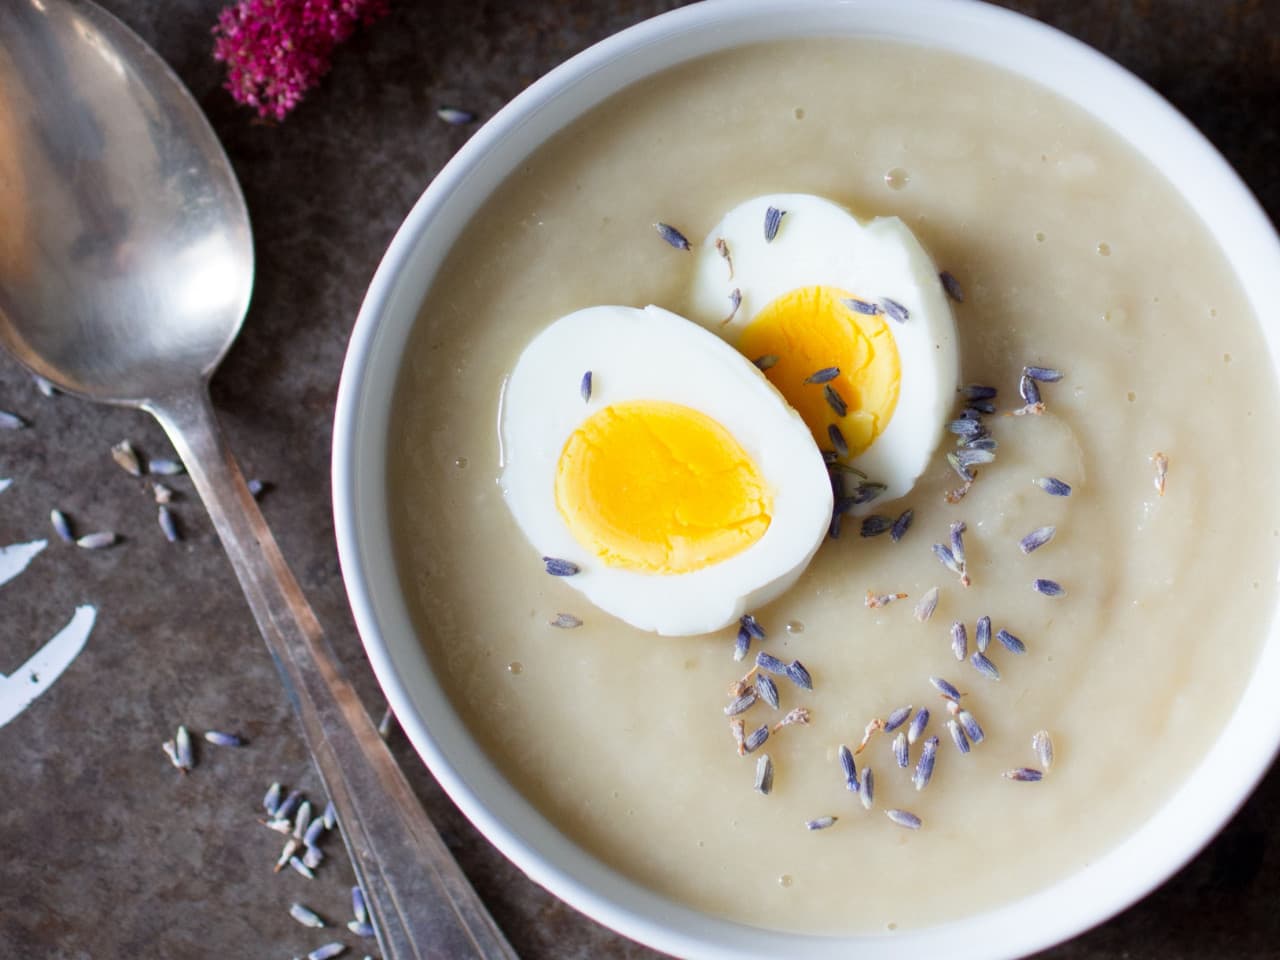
[1072,252]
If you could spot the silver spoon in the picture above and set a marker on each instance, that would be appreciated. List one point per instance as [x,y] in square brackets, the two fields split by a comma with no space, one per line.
[126,263]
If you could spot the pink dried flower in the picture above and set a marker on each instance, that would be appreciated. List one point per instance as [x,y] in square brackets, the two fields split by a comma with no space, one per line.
[277,50]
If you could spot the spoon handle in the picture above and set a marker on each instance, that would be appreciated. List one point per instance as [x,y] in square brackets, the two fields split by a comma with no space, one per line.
[422,905]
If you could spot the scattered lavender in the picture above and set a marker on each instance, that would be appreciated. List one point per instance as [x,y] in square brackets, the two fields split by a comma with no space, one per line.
[220,739]
[672,236]
[305,915]
[1042,746]
[897,719]
[1036,539]
[924,766]
[455,116]
[984,666]
[982,634]
[772,220]
[918,724]
[867,788]
[901,525]
[764,774]
[61,526]
[928,603]
[904,818]
[958,736]
[849,768]
[952,286]
[1053,486]
[1162,470]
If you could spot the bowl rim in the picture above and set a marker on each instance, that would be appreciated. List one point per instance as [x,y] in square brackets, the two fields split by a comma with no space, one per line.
[1182,825]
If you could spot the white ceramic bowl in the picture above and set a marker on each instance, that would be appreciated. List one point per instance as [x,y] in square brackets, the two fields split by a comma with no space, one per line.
[1179,829]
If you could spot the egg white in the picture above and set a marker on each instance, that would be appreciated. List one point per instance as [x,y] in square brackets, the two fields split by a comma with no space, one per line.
[652,354]
[820,243]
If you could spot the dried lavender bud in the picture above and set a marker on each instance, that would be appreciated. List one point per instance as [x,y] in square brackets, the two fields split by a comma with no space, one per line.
[928,603]
[764,774]
[772,220]
[958,736]
[904,818]
[875,524]
[1028,390]
[982,637]
[767,661]
[897,719]
[918,724]
[1053,486]
[901,750]
[756,738]
[901,525]
[924,766]
[1011,643]
[1042,374]
[946,689]
[835,401]
[862,307]
[894,309]
[984,666]
[798,675]
[848,767]
[825,375]
[969,724]
[455,117]
[1036,539]
[560,568]
[1043,747]
[952,286]
[672,236]
[767,690]
[867,788]
[305,915]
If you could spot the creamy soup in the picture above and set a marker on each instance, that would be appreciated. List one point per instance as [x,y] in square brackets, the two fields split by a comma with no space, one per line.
[1073,253]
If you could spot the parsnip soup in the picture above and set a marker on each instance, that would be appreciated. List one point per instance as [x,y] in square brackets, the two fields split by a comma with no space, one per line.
[1071,254]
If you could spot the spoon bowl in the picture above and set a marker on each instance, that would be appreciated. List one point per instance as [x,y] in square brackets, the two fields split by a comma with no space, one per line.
[125,272]
[129,193]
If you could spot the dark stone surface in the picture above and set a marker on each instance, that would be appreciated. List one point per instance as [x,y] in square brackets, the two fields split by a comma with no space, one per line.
[104,851]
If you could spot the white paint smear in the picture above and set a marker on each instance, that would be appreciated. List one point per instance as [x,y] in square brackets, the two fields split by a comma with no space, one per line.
[45,666]
[14,558]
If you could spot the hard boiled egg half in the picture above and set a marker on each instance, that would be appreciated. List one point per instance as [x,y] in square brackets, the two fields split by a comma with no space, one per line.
[849,321]
[658,471]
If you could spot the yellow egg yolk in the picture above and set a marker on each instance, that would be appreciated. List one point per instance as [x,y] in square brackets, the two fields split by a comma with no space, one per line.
[809,330]
[659,487]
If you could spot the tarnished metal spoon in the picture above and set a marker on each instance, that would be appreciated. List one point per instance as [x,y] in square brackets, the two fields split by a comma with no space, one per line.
[126,263]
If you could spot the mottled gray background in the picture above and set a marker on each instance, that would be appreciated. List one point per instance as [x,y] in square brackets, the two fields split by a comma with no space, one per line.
[104,851]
